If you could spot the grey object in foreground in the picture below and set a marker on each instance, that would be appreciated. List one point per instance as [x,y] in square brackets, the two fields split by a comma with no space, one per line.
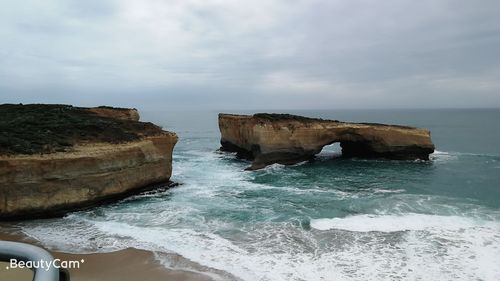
[26,252]
[289,139]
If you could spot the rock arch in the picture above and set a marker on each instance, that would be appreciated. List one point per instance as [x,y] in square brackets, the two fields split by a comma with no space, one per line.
[288,139]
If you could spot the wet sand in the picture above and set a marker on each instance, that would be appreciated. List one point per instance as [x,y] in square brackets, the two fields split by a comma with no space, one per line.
[125,265]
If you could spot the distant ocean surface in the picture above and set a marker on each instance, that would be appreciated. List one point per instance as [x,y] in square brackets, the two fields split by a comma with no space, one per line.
[333,219]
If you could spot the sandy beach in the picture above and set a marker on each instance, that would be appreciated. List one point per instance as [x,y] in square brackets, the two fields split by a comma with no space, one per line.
[125,265]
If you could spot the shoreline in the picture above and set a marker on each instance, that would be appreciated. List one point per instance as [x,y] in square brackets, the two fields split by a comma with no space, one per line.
[129,264]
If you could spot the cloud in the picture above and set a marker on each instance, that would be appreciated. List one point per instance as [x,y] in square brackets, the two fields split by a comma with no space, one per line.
[263,54]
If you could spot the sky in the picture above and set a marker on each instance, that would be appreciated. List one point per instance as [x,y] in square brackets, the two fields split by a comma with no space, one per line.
[259,54]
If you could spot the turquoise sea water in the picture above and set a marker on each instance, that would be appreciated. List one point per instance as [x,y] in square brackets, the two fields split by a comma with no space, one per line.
[333,219]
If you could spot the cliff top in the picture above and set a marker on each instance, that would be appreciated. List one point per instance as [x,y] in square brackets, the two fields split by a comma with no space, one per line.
[284,116]
[42,128]
[115,108]
[277,117]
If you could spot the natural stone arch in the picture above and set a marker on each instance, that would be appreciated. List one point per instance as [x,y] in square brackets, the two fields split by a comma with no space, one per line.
[289,139]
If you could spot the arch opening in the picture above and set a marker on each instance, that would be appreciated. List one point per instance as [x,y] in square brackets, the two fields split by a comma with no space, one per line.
[332,150]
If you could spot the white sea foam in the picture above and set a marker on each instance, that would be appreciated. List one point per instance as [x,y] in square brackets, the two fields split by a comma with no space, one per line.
[391,223]
[216,252]
[442,156]
[382,190]
[273,167]
[300,164]
[429,248]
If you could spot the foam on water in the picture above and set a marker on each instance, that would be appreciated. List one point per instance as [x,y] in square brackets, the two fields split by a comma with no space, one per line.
[453,155]
[391,223]
[442,156]
[381,190]
[411,246]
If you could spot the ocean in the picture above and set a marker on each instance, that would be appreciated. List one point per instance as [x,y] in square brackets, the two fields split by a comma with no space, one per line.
[332,219]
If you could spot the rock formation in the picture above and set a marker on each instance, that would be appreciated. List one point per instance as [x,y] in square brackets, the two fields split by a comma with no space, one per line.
[117,113]
[43,178]
[289,139]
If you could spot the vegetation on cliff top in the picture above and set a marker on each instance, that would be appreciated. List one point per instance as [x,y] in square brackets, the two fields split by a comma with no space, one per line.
[114,108]
[291,117]
[281,116]
[40,128]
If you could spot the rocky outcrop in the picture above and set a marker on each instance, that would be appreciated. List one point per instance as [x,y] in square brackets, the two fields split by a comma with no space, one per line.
[289,139]
[117,113]
[87,173]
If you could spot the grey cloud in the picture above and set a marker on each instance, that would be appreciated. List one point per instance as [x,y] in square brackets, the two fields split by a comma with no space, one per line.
[264,54]
[90,9]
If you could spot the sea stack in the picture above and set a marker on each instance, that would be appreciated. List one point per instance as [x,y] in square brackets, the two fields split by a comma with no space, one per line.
[289,139]
[60,158]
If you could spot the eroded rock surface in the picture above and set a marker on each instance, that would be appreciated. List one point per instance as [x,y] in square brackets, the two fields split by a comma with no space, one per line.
[91,167]
[289,139]
[118,113]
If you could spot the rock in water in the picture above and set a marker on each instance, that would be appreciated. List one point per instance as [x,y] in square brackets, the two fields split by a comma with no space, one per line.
[59,158]
[289,139]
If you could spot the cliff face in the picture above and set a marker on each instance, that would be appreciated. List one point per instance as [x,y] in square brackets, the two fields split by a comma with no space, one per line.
[42,185]
[288,139]
[85,174]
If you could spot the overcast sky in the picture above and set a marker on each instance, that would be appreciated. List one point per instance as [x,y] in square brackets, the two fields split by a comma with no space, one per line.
[259,54]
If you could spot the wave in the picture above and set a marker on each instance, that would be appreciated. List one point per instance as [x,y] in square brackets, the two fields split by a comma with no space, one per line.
[437,152]
[392,223]
[457,153]
[382,190]
[442,156]
[451,248]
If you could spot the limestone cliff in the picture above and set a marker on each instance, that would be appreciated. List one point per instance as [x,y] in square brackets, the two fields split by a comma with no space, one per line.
[289,139]
[90,169]
[116,113]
